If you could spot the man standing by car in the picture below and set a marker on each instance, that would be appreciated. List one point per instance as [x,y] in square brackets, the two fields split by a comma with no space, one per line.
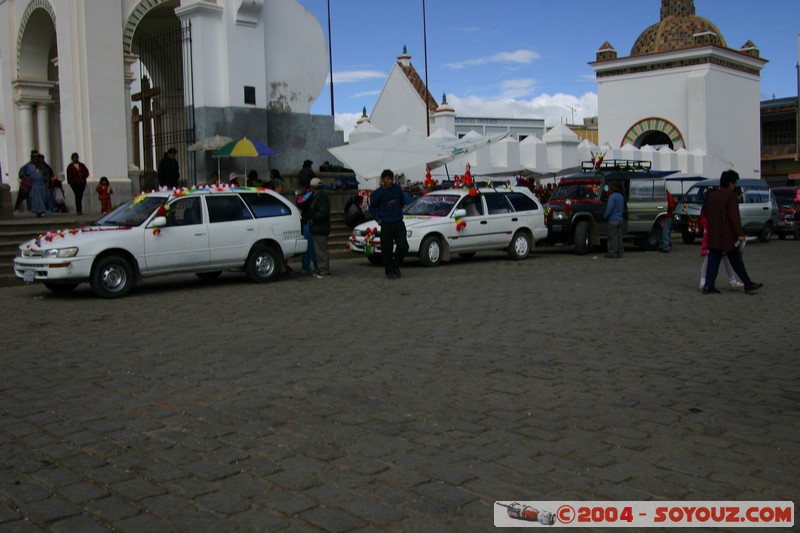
[666,225]
[169,171]
[615,209]
[319,218]
[725,233]
[386,206]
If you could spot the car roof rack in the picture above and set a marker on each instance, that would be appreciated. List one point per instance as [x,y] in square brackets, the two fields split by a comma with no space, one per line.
[616,164]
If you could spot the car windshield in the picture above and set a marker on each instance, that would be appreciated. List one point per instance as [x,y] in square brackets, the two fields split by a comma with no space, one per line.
[432,205]
[132,213]
[785,199]
[577,190]
[695,195]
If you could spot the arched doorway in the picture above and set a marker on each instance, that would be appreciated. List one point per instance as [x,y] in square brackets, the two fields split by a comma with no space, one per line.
[162,99]
[36,84]
[655,132]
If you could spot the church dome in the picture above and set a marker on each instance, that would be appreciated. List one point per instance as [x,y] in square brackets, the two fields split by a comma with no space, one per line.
[679,29]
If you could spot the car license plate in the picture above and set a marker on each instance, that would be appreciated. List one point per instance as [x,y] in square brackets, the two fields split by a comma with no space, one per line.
[27,276]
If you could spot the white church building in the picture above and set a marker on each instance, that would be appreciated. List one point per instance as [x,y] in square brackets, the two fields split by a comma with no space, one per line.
[682,100]
[120,81]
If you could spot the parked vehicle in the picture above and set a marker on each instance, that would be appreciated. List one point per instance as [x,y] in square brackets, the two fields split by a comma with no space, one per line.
[788,211]
[758,209]
[455,221]
[574,212]
[205,231]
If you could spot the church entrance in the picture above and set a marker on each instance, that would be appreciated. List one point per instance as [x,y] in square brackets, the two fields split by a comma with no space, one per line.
[656,139]
[162,115]
[656,132]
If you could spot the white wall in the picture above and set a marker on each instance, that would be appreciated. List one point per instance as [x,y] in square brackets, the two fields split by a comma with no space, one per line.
[399,104]
[716,109]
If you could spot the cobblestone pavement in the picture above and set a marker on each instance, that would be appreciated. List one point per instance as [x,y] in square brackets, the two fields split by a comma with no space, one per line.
[191,406]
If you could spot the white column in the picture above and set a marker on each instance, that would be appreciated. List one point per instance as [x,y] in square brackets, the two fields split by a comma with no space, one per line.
[43,130]
[130,77]
[26,125]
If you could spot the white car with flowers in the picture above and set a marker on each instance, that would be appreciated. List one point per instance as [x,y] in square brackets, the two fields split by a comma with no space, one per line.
[205,231]
[463,222]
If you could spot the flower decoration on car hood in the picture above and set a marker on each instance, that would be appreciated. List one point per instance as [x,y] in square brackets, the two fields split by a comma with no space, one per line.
[50,236]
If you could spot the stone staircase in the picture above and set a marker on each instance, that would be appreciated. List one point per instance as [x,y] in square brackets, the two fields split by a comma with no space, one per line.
[22,227]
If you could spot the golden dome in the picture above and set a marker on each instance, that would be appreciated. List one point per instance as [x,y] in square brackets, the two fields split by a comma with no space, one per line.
[679,28]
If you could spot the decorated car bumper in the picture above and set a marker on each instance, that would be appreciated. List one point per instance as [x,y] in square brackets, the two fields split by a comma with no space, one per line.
[52,269]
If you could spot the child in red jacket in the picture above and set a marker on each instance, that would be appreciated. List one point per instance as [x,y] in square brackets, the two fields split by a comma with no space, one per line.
[104,193]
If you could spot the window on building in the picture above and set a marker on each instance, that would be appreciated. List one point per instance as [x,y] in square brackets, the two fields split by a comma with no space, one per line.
[249,95]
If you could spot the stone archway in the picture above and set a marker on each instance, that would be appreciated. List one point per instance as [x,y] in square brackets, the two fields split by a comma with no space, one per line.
[162,101]
[656,132]
[35,88]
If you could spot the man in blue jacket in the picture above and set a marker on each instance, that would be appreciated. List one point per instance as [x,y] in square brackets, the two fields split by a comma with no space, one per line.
[386,207]
[614,214]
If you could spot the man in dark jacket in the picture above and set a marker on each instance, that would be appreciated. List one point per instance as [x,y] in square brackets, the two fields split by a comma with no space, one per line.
[386,206]
[725,233]
[319,218]
[169,170]
[306,173]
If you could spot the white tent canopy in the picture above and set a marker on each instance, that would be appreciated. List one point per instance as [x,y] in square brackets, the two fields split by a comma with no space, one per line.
[406,150]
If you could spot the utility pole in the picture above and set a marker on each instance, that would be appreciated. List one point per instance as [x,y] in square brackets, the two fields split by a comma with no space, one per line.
[330,54]
[425,49]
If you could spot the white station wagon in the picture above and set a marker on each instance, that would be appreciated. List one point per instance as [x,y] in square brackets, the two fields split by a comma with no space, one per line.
[457,221]
[205,231]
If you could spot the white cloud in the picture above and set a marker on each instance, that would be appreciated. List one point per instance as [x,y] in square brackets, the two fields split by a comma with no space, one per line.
[554,109]
[366,93]
[517,88]
[517,56]
[346,122]
[354,76]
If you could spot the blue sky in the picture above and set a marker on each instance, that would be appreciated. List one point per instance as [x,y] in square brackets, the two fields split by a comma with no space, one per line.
[524,58]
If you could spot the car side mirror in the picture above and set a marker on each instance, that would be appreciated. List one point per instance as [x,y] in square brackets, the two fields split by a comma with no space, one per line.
[158,222]
[460,213]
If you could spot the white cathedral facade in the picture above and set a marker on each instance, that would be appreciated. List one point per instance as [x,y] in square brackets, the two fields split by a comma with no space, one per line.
[120,81]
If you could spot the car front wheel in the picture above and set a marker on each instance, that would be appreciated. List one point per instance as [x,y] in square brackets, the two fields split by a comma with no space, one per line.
[263,264]
[650,242]
[112,277]
[520,246]
[582,238]
[688,238]
[766,233]
[430,253]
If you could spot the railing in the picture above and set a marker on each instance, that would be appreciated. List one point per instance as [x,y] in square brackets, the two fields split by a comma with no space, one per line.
[778,150]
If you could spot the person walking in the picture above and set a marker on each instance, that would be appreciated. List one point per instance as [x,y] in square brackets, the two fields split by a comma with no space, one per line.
[615,213]
[25,184]
[319,218]
[735,283]
[725,234]
[666,225]
[77,174]
[309,258]
[169,171]
[386,207]
[36,173]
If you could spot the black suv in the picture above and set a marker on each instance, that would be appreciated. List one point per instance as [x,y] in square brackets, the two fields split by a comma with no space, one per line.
[574,212]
